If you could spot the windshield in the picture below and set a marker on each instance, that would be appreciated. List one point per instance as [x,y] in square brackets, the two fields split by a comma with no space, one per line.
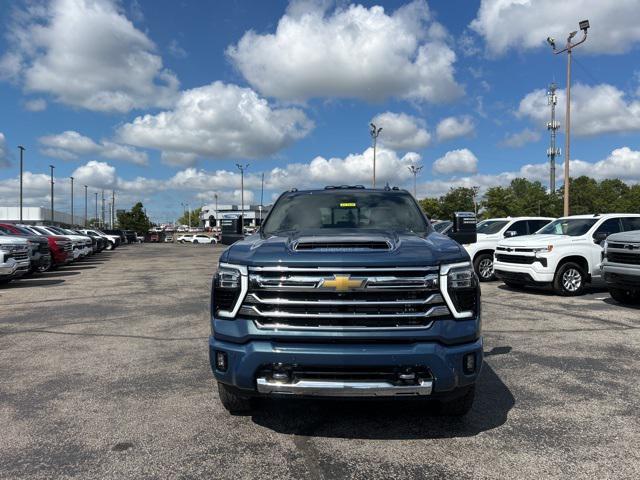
[573,227]
[489,227]
[353,210]
[40,231]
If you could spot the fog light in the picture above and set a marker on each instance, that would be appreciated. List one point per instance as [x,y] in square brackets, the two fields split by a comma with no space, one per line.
[469,363]
[221,361]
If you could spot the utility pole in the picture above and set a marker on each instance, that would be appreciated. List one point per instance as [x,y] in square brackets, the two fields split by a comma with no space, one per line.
[102,210]
[552,126]
[261,197]
[374,135]
[415,170]
[215,195]
[189,216]
[22,149]
[52,167]
[85,207]
[72,220]
[242,169]
[584,26]
[475,190]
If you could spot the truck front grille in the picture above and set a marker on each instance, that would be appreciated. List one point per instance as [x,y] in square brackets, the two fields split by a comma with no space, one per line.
[620,257]
[343,298]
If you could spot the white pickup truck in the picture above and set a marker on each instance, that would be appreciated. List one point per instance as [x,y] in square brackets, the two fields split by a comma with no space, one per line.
[14,257]
[566,253]
[494,230]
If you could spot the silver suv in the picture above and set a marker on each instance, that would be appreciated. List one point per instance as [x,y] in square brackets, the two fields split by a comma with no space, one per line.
[621,266]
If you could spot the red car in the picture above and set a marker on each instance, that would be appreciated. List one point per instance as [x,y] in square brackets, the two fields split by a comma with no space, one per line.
[61,248]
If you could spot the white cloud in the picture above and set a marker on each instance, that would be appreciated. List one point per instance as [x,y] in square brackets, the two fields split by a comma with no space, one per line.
[176,50]
[350,52]
[178,159]
[36,105]
[219,120]
[96,174]
[87,54]
[233,197]
[518,139]
[401,131]
[4,153]
[71,144]
[353,169]
[455,127]
[523,24]
[595,109]
[456,161]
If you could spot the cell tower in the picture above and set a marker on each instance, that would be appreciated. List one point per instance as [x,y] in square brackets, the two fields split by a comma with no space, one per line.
[552,126]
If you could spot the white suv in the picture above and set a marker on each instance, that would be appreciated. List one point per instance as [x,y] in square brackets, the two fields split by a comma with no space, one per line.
[494,230]
[566,253]
[197,238]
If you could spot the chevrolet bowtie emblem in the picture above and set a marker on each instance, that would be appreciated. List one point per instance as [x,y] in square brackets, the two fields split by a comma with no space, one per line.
[342,283]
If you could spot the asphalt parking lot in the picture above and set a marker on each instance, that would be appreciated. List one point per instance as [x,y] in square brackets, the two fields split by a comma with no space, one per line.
[104,374]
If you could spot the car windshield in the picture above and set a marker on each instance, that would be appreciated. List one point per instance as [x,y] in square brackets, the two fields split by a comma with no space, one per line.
[489,227]
[40,231]
[328,210]
[573,227]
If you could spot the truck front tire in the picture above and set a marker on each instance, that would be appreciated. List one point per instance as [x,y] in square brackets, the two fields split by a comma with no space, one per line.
[233,402]
[460,406]
[570,280]
[483,265]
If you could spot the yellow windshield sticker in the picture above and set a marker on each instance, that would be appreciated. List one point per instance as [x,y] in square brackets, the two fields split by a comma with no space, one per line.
[348,204]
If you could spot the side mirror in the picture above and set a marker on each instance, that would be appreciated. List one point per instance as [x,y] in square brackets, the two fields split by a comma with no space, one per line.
[510,233]
[600,237]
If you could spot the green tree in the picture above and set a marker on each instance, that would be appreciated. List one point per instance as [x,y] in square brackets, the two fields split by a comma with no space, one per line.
[499,202]
[583,195]
[431,207]
[135,220]
[458,199]
[195,218]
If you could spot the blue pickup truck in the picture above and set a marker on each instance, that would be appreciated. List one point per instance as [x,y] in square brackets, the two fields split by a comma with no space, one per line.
[346,292]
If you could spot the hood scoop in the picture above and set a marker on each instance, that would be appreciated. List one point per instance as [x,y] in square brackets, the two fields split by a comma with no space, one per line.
[336,244]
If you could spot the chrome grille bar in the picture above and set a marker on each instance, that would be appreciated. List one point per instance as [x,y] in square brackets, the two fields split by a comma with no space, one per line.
[432,312]
[434,298]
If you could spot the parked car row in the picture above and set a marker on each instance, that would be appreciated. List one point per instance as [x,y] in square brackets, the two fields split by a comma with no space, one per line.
[28,249]
[567,253]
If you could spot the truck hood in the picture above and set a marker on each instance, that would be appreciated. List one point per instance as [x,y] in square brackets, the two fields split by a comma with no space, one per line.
[632,237]
[12,240]
[404,249]
[539,240]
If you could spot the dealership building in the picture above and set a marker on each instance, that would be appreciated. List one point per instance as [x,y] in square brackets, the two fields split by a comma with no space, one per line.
[253,214]
[39,216]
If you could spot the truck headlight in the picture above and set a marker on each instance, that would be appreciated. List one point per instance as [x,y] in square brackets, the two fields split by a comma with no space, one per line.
[541,250]
[228,290]
[459,286]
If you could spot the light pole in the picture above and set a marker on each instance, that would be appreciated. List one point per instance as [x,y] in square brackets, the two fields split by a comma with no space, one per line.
[96,218]
[52,167]
[261,197]
[475,190]
[415,170]
[215,195]
[584,26]
[374,135]
[242,169]
[22,149]
[189,216]
[85,207]
[72,222]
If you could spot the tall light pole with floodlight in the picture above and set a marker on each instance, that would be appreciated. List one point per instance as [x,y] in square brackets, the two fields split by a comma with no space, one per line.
[415,170]
[374,132]
[72,222]
[22,149]
[242,169]
[584,26]
[85,206]
[52,167]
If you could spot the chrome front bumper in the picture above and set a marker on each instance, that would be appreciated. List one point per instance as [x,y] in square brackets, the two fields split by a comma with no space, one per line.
[325,388]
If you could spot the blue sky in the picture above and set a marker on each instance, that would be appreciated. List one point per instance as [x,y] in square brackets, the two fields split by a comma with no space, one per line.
[160,99]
